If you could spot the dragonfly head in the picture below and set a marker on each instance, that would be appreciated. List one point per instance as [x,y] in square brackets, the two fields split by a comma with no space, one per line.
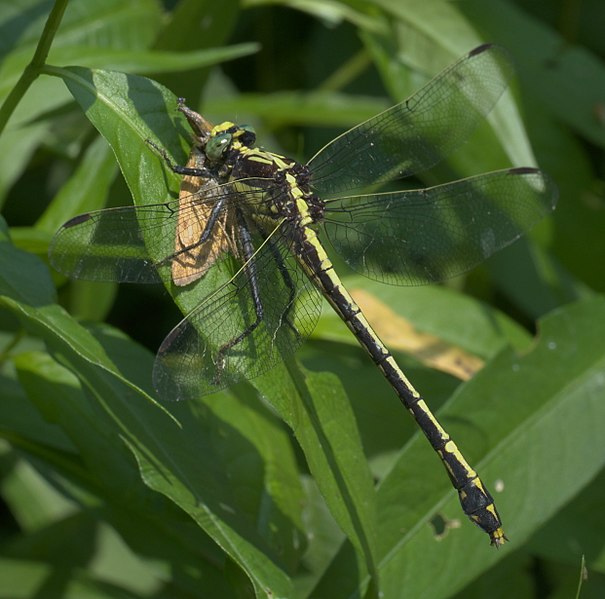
[227,136]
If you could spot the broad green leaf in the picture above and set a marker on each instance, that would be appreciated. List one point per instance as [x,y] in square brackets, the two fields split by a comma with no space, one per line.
[570,535]
[85,190]
[292,108]
[441,312]
[150,61]
[195,25]
[547,63]
[330,11]
[319,413]
[182,460]
[510,577]
[148,523]
[128,111]
[522,413]
[23,276]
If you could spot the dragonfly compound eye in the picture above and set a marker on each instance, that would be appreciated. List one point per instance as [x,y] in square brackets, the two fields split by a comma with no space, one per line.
[217,145]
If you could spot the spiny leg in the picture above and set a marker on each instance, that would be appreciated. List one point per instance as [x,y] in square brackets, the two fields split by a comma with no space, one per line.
[217,209]
[250,270]
[285,274]
[177,168]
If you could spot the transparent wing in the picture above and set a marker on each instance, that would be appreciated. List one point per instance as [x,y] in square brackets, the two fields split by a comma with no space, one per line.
[108,245]
[243,329]
[417,133]
[426,235]
[139,244]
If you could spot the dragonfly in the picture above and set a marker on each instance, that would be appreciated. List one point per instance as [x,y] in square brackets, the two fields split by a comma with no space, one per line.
[253,224]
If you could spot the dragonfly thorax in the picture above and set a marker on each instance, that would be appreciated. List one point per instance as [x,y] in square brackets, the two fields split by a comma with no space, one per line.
[283,184]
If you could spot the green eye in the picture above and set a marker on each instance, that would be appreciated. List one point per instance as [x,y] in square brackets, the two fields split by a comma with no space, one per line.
[217,145]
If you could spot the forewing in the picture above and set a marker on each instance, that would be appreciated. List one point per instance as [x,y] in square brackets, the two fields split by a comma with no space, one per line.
[199,356]
[142,244]
[426,235]
[417,133]
[110,244]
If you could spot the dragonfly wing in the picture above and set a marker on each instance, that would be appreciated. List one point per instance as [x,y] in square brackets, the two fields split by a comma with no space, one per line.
[150,243]
[427,235]
[109,245]
[243,329]
[191,259]
[414,135]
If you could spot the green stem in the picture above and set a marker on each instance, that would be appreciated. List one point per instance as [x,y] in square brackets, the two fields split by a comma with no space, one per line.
[33,69]
[347,72]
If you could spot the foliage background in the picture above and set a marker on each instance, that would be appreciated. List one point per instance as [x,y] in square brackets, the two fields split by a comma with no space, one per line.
[107,494]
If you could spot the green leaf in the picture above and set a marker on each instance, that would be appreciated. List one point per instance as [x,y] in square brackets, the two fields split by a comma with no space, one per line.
[85,190]
[293,108]
[24,277]
[181,460]
[577,75]
[319,413]
[330,11]
[570,535]
[517,413]
[128,111]
[452,317]
[150,61]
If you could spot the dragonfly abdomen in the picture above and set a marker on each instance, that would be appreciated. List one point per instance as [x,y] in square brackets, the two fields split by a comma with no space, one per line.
[476,501]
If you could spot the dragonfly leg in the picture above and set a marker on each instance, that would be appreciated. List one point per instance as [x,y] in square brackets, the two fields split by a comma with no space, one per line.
[289,283]
[285,274]
[176,168]
[250,269]
[217,209]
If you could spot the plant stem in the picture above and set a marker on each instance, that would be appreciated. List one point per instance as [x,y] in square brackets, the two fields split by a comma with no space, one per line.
[33,69]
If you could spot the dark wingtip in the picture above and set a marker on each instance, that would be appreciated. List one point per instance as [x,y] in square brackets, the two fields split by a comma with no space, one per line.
[549,188]
[77,220]
[523,170]
[480,49]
